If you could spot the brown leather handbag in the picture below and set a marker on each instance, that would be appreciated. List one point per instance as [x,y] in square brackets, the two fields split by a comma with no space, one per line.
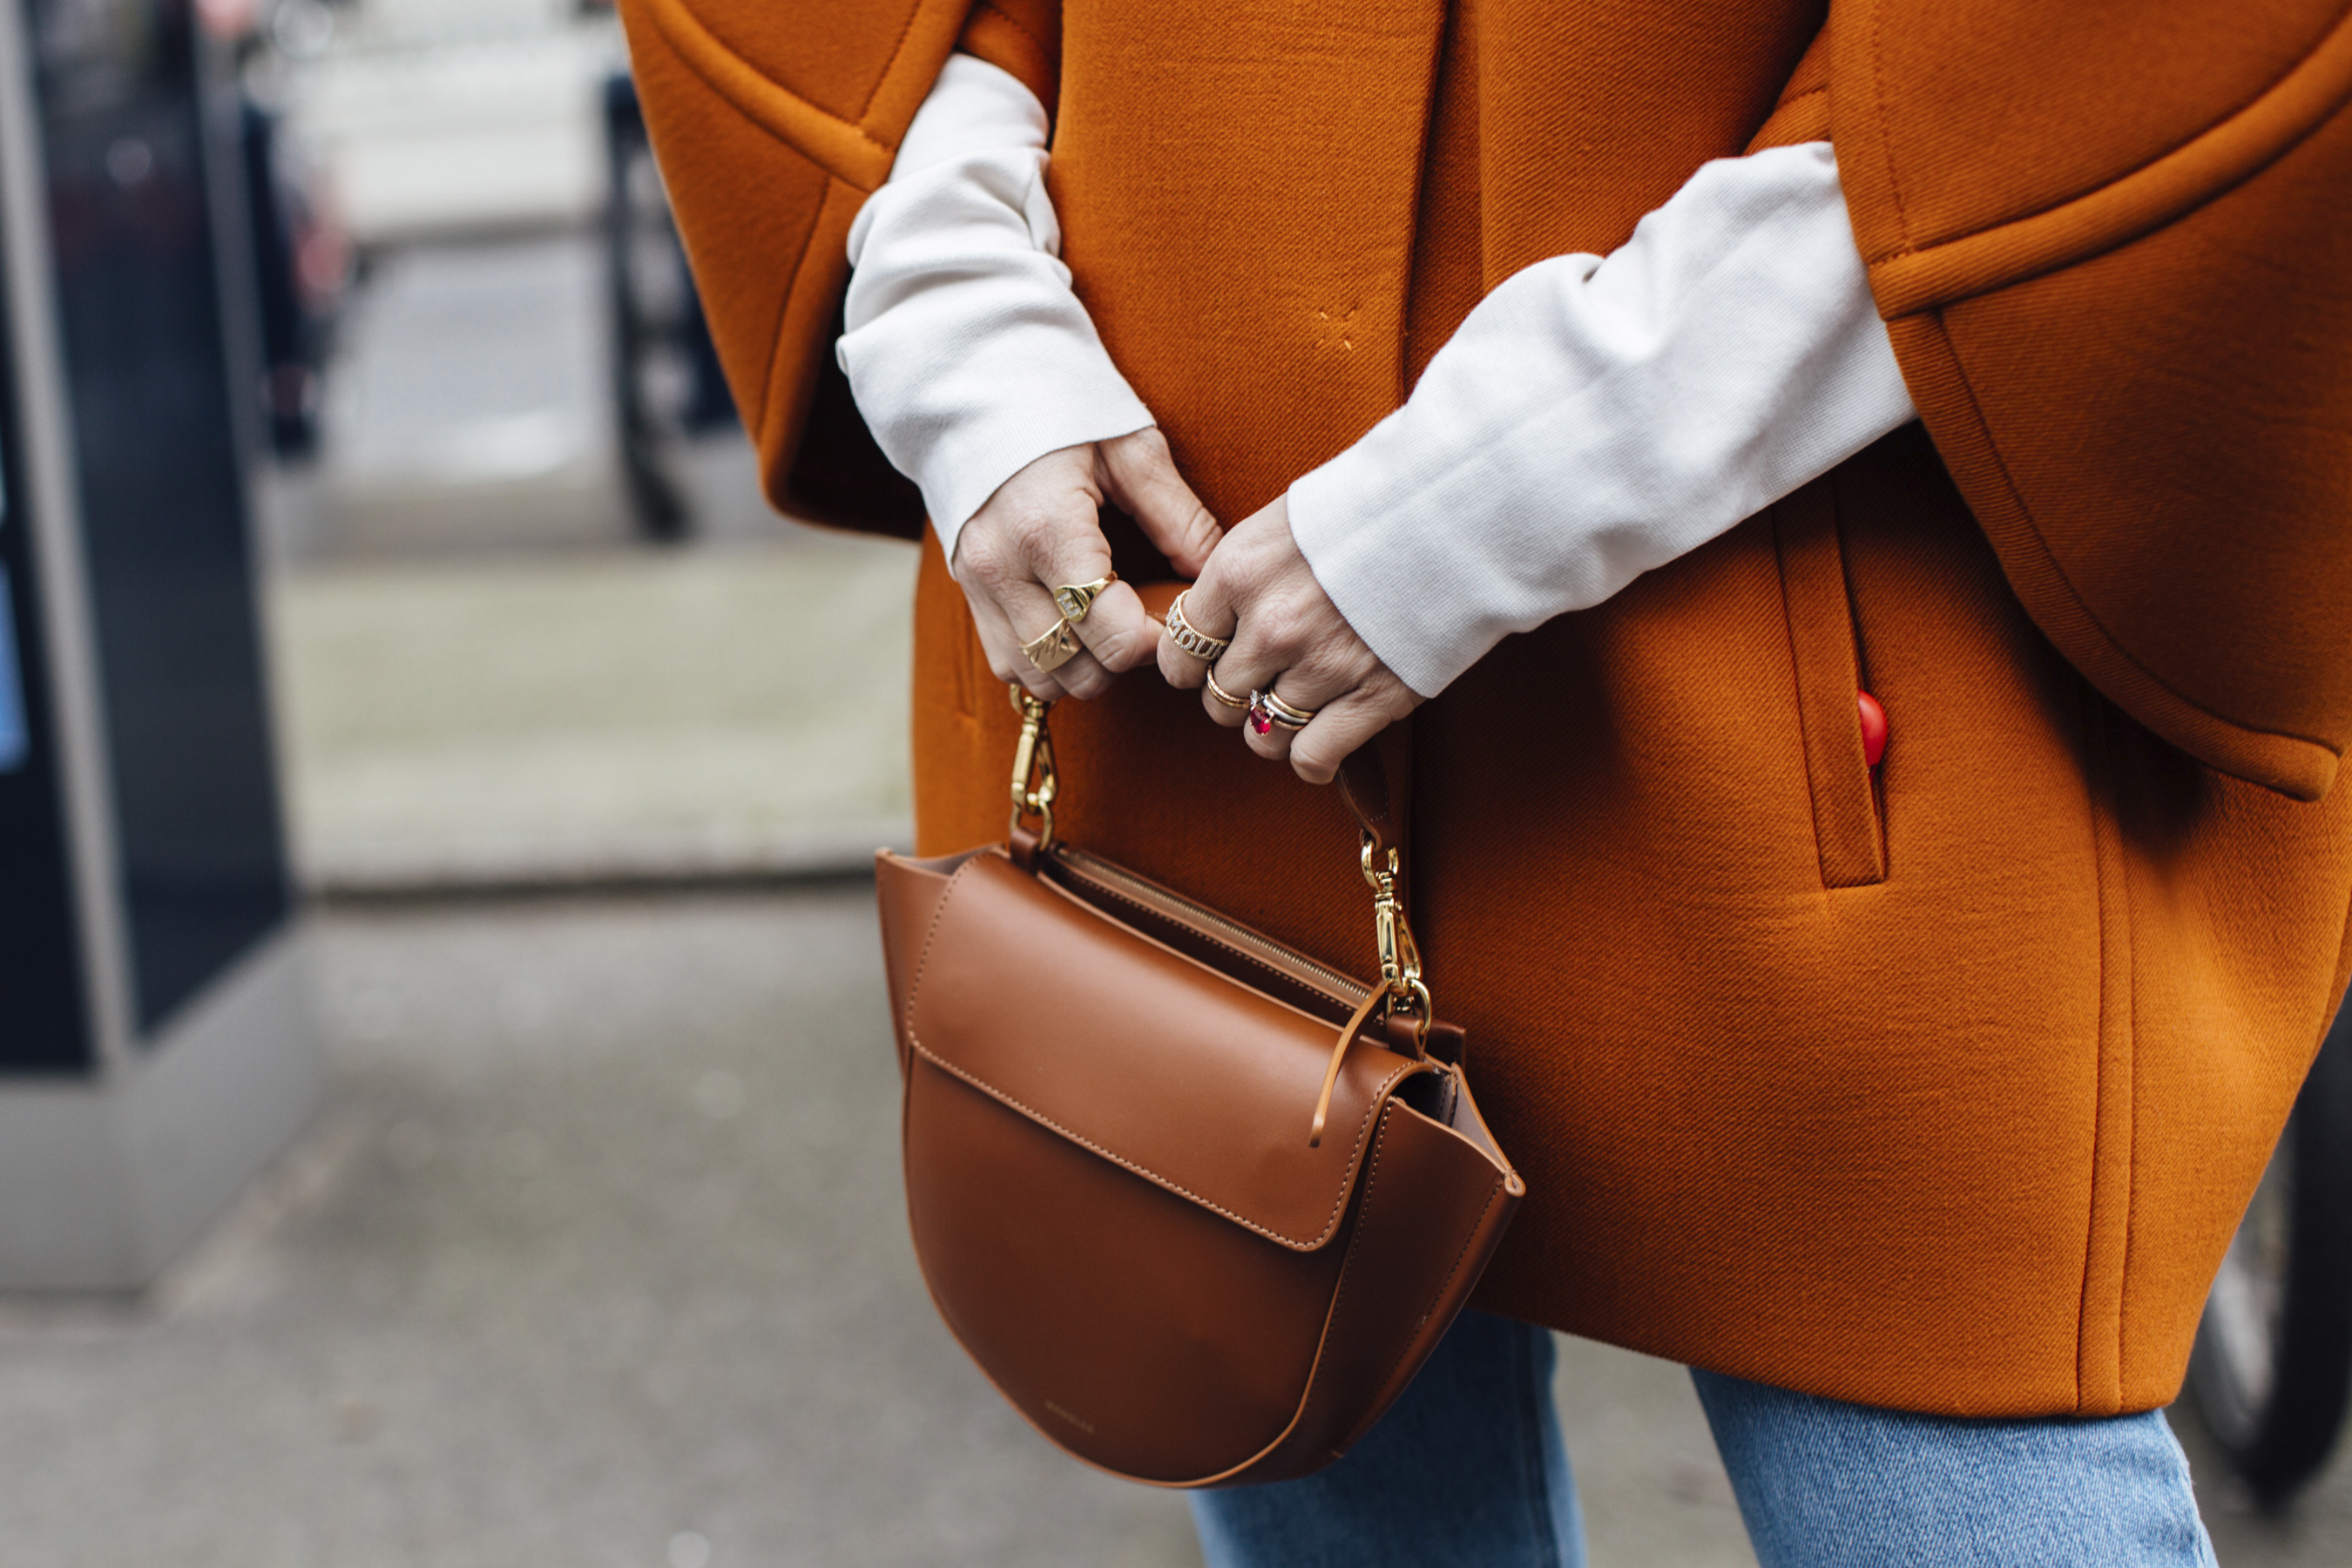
[1198,1205]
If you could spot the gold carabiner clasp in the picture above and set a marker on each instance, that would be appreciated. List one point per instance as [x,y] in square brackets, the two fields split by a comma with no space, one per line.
[1400,957]
[1034,781]
[1401,986]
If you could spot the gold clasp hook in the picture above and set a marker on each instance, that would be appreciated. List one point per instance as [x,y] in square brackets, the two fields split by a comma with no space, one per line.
[1392,934]
[1401,985]
[1034,781]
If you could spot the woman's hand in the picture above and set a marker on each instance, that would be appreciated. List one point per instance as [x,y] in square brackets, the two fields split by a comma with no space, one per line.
[1290,638]
[1041,531]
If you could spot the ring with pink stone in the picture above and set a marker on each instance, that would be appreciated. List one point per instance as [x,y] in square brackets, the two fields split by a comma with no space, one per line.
[1268,712]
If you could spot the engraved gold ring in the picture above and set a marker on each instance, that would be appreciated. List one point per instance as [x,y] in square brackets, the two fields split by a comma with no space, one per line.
[1198,644]
[1051,648]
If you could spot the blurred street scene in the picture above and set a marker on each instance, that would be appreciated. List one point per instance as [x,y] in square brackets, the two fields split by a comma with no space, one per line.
[576,1237]
[487,678]
[484,678]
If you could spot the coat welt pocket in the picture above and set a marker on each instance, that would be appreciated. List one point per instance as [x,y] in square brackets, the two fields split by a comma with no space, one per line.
[1824,649]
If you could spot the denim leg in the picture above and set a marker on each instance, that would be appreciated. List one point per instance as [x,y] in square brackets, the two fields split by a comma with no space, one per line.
[1824,1484]
[1467,1470]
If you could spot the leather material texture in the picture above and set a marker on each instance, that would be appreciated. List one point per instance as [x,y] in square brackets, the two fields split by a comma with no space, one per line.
[910,894]
[1110,1186]
[1211,1087]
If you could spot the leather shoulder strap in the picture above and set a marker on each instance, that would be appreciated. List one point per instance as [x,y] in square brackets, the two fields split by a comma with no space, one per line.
[1376,781]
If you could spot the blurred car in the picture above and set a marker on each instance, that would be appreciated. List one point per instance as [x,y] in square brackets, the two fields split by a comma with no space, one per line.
[2272,1363]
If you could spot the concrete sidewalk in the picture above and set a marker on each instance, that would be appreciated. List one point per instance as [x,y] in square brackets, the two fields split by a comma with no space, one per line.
[596,715]
[595,1256]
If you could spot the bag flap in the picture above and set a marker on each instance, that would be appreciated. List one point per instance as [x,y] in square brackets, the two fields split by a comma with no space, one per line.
[1148,1058]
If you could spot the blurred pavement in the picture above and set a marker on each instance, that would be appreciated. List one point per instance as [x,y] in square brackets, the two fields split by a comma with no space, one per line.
[483,682]
[595,1257]
[598,1242]
[594,1245]
[468,407]
[605,716]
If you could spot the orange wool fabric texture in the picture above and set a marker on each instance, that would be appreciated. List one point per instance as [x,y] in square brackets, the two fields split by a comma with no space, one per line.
[1940,1086]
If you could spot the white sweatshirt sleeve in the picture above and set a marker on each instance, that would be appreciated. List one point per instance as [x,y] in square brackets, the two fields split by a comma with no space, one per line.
[965,349]
[1590,420]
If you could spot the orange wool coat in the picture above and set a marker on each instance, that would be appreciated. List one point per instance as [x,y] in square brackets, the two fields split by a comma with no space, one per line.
[1940,1087]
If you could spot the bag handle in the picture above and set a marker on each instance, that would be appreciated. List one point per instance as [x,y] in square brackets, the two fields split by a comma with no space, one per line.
[1364,782]
[1367,784]
[1364,785]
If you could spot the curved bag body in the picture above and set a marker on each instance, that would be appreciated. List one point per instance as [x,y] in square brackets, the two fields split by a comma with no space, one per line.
[1111,1183]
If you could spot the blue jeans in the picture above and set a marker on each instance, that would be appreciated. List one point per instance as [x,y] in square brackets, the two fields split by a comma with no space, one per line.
[1468,1468]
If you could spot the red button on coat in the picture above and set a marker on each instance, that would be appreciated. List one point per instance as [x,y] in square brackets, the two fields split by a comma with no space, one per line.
[1874,727]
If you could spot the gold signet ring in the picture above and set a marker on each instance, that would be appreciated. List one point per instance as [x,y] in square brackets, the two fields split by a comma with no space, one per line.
[1075,599]
[1052,649]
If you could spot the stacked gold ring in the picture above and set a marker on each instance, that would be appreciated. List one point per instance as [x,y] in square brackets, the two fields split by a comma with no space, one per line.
[1267,712]
[1222,695]
[1198,644]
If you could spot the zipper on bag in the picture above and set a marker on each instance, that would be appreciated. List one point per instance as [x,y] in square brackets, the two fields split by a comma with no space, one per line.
[1292,965]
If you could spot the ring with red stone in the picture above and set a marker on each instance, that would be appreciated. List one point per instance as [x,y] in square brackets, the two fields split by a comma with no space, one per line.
[1267,712]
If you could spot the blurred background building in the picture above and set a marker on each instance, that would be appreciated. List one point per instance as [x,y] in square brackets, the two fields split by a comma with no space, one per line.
[431,778]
